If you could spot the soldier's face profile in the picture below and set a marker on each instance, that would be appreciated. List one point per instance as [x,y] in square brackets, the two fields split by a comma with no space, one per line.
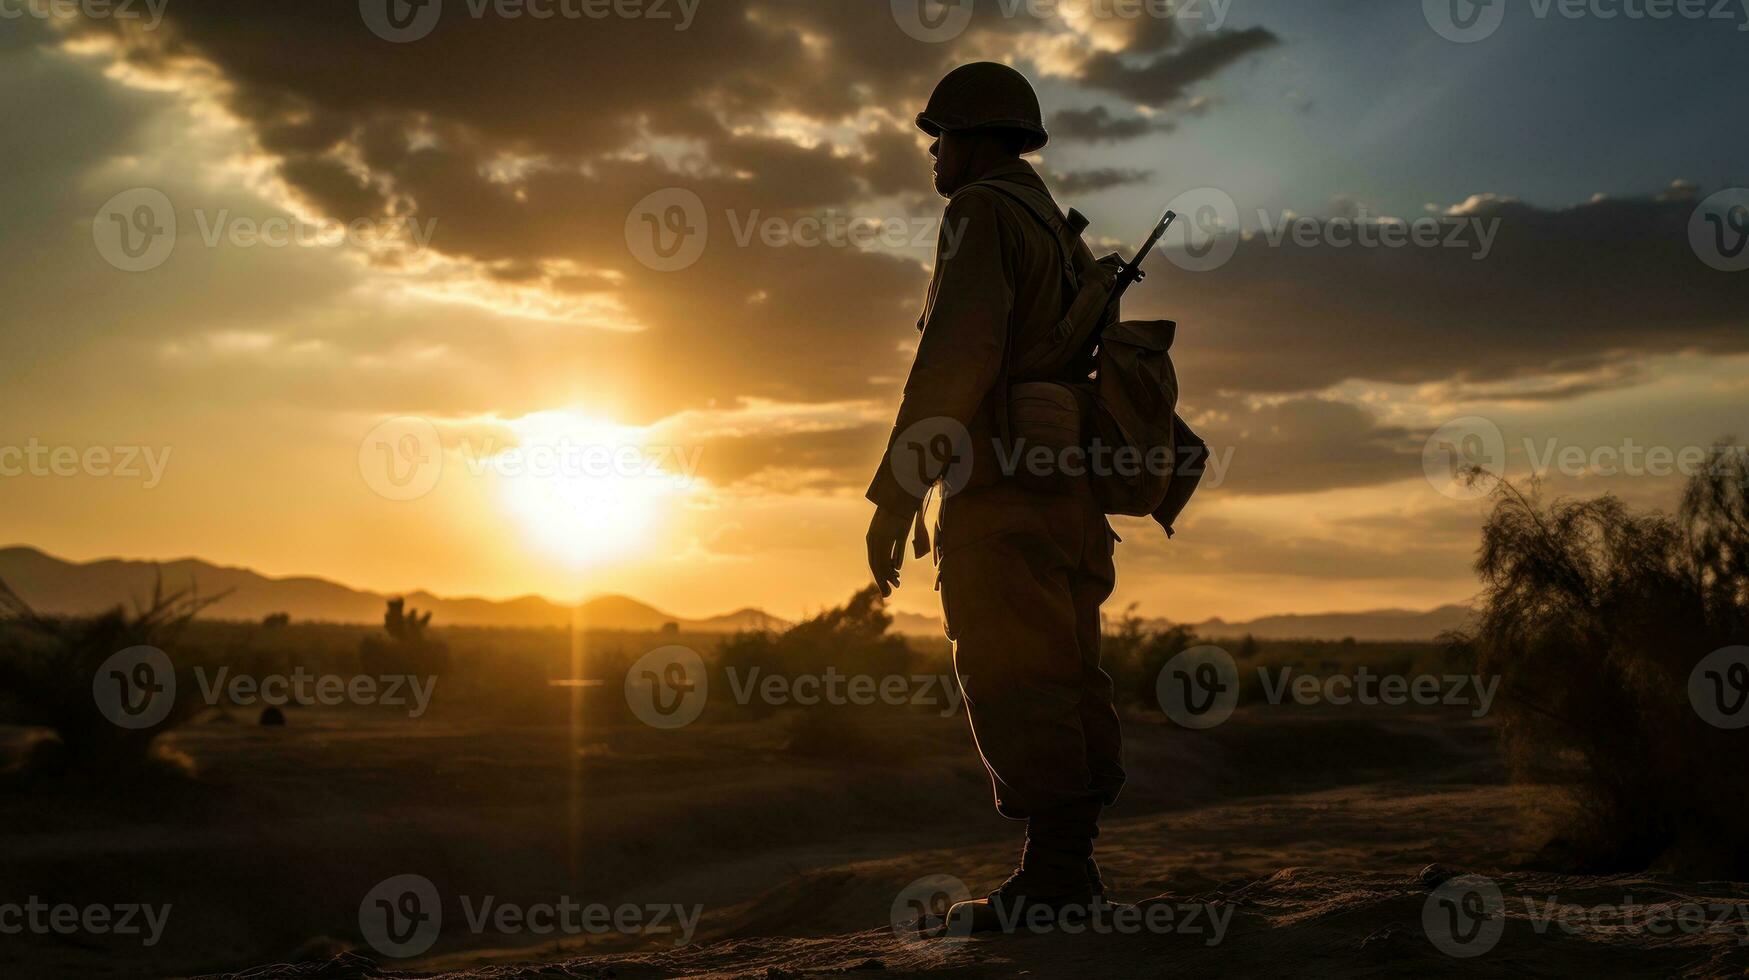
[951,152]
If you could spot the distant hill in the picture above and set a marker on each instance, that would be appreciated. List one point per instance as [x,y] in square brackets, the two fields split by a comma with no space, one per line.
[1377,624]
[52,585]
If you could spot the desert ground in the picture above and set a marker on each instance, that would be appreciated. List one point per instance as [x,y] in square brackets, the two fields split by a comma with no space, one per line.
[1289,838]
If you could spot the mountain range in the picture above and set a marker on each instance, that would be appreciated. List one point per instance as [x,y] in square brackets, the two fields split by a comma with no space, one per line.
[52,585]
[56,586]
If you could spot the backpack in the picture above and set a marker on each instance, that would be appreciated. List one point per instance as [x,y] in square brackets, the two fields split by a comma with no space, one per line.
[1144,460]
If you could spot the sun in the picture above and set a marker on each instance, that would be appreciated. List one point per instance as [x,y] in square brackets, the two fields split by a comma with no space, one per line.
[585,491]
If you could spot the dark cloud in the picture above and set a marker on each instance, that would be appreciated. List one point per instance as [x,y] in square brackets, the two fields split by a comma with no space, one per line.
[1099,125]
[1304,444]
[530,141]
[826,459]
[1165,78]
[1097,179]
[1584,290]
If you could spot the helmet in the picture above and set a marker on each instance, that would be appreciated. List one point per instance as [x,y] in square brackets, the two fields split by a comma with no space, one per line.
[984,95]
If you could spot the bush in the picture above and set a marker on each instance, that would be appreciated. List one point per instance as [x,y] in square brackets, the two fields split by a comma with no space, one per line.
[48,666]
[407,650]
[1134,654]
[1594,617]
[852,639]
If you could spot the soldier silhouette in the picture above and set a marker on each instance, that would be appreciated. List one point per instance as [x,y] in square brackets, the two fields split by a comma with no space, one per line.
[1023,564]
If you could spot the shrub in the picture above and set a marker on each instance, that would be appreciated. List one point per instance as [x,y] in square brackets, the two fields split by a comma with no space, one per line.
[407,650]
[1594,616]
[48,666]
[1134,654]
[851,638]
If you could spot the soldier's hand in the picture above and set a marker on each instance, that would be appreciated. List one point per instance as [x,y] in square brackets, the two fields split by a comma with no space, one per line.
[886,546]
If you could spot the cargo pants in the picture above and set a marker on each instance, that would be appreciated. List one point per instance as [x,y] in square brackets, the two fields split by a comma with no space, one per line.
[1022,576]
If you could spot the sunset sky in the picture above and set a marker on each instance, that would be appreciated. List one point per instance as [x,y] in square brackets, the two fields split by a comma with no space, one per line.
[501,295]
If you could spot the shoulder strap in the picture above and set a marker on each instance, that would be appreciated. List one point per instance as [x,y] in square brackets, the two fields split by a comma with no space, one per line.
[1044,209]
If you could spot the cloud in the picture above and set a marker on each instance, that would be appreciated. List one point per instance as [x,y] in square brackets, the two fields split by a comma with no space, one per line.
[1097,179]
[1099,125]
[1165,78]
[1579,292]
